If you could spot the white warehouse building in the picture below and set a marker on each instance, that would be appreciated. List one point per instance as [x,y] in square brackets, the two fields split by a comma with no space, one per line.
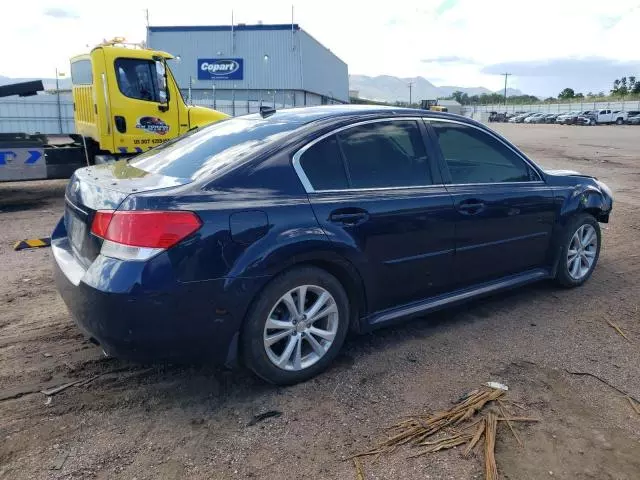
[237,68]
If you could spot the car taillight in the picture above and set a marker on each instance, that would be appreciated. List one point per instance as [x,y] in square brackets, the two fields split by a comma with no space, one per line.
[132,235]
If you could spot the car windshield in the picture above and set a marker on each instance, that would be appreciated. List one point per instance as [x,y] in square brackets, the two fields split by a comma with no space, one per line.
[213,148]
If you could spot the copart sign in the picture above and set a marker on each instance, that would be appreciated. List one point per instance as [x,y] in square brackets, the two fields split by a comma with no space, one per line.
[220,69]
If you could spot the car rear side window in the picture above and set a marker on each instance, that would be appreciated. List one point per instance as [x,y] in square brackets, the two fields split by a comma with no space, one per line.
[323,165]
[473,156]
[372,155]
[212,149]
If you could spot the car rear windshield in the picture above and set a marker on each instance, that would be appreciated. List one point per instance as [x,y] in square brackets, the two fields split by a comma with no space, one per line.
[213,148]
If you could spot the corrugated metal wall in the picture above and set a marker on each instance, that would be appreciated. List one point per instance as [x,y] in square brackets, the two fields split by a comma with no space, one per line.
[296,61]
[279,72]
[37,114]
[323,72]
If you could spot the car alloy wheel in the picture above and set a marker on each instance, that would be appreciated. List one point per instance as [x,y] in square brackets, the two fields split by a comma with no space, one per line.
[301,327]
[582,251]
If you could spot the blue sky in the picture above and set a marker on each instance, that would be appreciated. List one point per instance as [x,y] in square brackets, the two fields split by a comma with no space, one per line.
[546,44]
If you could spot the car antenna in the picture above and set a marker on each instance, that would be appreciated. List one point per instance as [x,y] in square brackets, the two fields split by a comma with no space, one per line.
[266,111]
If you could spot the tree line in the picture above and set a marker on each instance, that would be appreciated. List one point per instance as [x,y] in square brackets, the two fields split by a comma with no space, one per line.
[464,98]
[622,87]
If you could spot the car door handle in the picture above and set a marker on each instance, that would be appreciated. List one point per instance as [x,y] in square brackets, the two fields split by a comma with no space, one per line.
[471,207]
[350,217]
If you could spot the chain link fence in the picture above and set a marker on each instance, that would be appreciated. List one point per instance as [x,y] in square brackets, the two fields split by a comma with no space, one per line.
[622,105]
[44,114]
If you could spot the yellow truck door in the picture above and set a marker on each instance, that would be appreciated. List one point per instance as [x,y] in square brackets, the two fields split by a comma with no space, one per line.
[144,113]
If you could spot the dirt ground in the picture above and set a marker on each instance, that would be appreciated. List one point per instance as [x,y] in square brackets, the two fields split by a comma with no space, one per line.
[178,422]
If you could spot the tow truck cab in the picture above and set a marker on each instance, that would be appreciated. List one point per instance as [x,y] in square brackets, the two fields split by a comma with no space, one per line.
[126,101]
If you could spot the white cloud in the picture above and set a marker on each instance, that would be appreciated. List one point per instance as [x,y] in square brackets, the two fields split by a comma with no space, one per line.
[372,37]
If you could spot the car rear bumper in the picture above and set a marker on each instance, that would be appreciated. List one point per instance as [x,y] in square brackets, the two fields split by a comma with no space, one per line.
[136,311]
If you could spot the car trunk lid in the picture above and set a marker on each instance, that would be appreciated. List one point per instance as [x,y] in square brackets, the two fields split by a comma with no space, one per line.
[103,187]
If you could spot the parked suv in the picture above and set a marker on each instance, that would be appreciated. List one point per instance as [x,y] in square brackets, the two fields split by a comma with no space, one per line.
[266,238]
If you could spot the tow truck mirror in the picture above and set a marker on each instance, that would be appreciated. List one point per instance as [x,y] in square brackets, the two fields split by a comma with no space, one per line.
[163,89]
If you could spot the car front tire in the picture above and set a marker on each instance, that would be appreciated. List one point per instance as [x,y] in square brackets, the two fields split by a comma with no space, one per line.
[580,243]
[296,327]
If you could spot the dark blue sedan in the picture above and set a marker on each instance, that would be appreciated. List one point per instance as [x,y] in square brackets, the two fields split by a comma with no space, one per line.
[266,238]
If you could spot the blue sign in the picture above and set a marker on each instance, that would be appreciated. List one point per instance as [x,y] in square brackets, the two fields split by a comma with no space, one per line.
[220,68]
[28,157]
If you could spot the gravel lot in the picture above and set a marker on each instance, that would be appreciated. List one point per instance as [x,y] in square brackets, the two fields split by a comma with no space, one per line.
[174,422]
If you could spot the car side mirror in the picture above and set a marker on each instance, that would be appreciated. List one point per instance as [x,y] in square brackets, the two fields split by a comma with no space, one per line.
[163,84]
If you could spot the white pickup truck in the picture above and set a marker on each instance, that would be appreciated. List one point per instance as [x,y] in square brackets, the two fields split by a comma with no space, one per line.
[608,116]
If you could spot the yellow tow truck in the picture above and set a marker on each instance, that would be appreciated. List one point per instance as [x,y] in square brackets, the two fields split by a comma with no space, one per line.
[125,101]
[433,106]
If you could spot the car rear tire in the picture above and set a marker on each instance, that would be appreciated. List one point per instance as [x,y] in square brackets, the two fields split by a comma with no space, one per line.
[296,327]
[619,121]
[580,249]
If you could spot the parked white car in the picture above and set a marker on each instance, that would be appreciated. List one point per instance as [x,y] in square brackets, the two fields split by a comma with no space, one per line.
[608,116]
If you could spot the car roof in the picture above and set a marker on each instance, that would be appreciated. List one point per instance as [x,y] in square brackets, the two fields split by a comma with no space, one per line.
[304,115]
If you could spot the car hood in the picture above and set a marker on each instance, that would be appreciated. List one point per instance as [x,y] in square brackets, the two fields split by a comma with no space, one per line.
[566,173]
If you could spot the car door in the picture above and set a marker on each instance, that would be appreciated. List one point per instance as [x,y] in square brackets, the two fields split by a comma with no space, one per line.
[504,210]
[604,116]
[378,196]
[142,115]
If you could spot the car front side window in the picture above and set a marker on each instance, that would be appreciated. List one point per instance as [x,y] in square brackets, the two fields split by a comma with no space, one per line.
[473,156]
[138,79]
[379,154]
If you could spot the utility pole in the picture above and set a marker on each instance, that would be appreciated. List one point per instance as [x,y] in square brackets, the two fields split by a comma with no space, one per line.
[506,75]
[410,88]
[146,17]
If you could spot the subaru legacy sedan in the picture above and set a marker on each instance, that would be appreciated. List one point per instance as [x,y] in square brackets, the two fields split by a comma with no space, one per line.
[264,239]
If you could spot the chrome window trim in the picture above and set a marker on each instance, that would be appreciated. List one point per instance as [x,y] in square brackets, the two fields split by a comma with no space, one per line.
[305,180]
[528,182]
[493,135]
[309,188]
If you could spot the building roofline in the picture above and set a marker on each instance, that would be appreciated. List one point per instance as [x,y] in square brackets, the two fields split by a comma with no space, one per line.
[223,28]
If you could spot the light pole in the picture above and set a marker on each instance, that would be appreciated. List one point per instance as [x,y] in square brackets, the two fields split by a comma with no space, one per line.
[58,75]
[410,92]
[265,60]
[233,101]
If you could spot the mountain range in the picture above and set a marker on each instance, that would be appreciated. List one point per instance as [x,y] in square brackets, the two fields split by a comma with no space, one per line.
[390,89]
[382,88]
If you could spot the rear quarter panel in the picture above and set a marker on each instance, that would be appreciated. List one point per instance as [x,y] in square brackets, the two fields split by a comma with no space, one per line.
[286,230]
